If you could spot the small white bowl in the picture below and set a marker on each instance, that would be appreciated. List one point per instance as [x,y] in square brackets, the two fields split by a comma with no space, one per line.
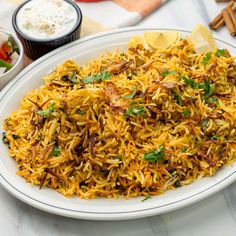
[9,75]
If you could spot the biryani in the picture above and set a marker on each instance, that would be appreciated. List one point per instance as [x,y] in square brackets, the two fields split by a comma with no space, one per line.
[128,124]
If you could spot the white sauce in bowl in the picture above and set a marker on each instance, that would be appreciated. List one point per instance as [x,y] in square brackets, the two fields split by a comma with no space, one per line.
[46,19]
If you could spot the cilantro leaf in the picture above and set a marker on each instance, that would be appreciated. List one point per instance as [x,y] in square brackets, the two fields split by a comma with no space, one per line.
[189,81]
[73,78]
[211,89]
[207,87]
[97,77]
[177,98]
[91,79]
[154,156]
[105,76]
[215,137]
[46,113]
[166,72]
[134,111]
[186,112]
[213,101]
[220,52]
[132,94]
[183,149]
[206,58]
[56,151]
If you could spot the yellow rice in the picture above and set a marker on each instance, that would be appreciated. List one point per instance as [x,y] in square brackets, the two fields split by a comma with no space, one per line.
[102,144]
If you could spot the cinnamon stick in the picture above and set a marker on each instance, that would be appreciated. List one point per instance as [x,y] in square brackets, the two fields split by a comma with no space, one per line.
[218,21]
[222,0]
[229,22]
[231,13]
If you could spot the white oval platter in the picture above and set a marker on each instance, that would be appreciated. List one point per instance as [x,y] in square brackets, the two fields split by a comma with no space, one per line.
[96,209]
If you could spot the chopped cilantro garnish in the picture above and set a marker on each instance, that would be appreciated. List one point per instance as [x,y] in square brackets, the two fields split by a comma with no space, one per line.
[215,137]
[134,111]
[189,81]
[206,58]
[166,72]
[177,98]
[132,94]
[97,77]
[46,113]
[207,87]
[211,89]
[154,156]
[213,101]
[105,76]
[186,112]
[91,79]
[220,52]
[146,198]
[73,78]
[183,149]
[56,151]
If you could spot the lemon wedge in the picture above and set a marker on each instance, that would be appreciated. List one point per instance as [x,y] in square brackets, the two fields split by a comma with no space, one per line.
[202,39]
[161,40]
[136,40]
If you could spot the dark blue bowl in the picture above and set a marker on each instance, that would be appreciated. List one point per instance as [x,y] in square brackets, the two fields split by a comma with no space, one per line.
[35,48]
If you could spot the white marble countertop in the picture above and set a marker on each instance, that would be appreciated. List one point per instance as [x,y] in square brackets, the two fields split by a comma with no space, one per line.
[215,215]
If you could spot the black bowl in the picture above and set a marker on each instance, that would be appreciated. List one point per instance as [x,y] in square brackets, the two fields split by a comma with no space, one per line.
[35,48]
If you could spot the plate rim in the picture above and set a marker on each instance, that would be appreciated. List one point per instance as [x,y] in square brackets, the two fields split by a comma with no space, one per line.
[108,215]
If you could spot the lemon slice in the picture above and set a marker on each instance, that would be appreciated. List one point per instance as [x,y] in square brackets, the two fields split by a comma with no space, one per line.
[202,39]
[161,40]
[136,40]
